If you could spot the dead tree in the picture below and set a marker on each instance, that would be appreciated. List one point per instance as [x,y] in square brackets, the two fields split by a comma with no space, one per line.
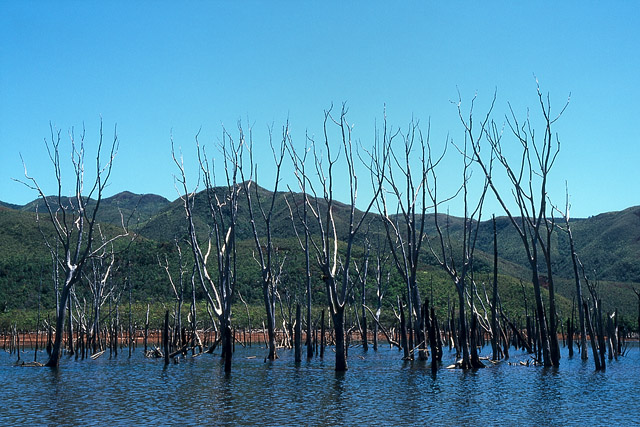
[74,219]
[165,338]
[528,181]
[178,290]
[264,247]
[584,354]
[495,336]
[403,207]
[335,272]
[459,268]
[362,273]
[102,287]
[637,292]
[592,335]
[595,324]
[545,246]
[299,162]
[382,257]
[222,204]
[298,335]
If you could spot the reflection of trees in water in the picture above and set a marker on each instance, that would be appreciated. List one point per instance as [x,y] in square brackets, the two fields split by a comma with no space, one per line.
[377,390]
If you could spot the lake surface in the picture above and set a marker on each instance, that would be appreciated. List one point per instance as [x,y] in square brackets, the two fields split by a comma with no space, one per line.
[378,389]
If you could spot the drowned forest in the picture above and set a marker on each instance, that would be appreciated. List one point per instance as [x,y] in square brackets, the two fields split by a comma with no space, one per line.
[237,261]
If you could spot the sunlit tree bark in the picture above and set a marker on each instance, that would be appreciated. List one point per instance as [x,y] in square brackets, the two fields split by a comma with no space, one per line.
[528,179]
[459,267]
[584,354]
[222,204]
[335,270]
[403,207]
[74,219]
[302,215]
[264,247]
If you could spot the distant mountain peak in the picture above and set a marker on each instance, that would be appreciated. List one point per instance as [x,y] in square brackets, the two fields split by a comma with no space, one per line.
[129,196]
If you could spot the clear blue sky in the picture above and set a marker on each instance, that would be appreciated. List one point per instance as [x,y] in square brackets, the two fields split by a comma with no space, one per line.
[157,68]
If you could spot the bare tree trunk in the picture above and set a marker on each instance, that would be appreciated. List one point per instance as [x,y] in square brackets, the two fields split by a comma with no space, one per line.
[130,322]
[227,346]
[612,333]
[308,287]
[70,344]
[542,319]
[601,340]
[570,333]
[505,341]
[298,335]
[403,332]
[35,353]
[54,358]
[165,338]
[338,328]
[637,292]
[271,327]
[116,326]
[594,346]
[462,330]
[554,347]
[322,335]
[49,338]
[430,326]
[146,330]
[494,317]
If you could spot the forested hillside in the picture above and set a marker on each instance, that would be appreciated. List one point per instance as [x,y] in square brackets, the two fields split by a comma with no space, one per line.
[608,245]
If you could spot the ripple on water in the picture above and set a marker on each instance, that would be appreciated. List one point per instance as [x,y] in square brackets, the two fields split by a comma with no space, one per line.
[378,389]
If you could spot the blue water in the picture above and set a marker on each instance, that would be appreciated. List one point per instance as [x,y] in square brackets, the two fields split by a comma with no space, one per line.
[378,389]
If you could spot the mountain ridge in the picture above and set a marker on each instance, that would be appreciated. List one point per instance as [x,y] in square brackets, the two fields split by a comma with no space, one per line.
[608,243]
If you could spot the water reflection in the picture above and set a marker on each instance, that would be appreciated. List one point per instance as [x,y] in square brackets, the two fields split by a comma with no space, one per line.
[378,389]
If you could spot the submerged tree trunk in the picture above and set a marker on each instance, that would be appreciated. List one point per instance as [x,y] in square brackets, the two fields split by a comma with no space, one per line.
[70,344]
[542,321]
[584,354]
[475,359]
[554,346]
[227,345]
[594,346]
[494,301]
[165,338]
[403,332]
[338,327]
[431,326]
[146,329]
[271,314]
[462,330]
[600,332]
[570,334]
[298,335]
[54,358]
[322,335]
[638,295]
[308,283]
[363,322]
[49,345]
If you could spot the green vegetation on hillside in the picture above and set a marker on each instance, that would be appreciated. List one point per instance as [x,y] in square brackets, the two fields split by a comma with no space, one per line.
[608,243]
